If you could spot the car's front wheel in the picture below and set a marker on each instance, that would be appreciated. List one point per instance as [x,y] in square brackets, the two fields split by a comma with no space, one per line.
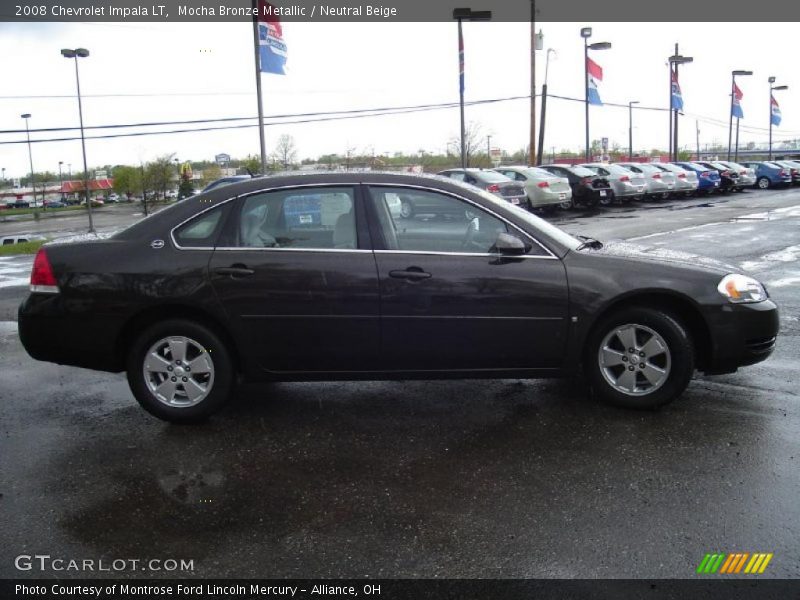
[180,371]
[640,358]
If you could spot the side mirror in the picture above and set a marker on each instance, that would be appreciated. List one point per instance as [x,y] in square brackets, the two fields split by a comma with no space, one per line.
[510,245]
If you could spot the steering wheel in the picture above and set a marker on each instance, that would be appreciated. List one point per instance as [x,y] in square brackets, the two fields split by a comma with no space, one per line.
[469,236]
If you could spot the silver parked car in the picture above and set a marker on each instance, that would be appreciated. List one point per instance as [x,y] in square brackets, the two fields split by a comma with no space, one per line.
[543,188]
[626,184]
[491,181]
[660,184]
[686,182]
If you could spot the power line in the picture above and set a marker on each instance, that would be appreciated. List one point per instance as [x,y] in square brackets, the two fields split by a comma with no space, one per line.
[379,110]
[315,117]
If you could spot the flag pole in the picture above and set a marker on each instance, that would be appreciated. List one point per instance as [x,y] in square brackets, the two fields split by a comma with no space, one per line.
[256,51]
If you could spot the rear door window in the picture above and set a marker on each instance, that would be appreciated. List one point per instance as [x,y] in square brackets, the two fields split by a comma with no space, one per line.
[312,218]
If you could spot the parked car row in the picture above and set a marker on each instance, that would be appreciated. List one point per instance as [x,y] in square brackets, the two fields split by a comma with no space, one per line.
[592,184]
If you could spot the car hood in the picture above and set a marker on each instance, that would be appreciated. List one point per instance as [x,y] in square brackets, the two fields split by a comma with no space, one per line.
[663,255]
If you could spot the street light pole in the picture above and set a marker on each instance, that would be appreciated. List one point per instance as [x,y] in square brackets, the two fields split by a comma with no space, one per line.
[772,89]
[60,181]
[27,116]
[730,120]
[586,33]
[674,62]
[630,128]
[489,149]
[76,54]
[461,14]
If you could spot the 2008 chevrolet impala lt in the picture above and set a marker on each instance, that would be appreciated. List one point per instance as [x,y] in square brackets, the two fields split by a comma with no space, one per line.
[320,277]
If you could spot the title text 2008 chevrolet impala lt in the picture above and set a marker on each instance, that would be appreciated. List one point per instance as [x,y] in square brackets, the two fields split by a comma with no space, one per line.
[320,277]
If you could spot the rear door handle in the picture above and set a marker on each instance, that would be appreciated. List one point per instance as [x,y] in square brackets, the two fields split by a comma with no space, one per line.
[234,271]
[411,275]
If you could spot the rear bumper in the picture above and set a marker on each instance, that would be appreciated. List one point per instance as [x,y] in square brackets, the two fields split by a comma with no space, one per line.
[86,342]
[741,335]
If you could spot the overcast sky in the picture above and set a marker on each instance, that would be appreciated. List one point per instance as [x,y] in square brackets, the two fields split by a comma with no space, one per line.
[166,72]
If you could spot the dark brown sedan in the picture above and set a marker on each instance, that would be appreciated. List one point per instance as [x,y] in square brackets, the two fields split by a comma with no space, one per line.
[317,277]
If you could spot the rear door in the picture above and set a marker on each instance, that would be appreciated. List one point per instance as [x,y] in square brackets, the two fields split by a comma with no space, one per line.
[295,272]
[450,302]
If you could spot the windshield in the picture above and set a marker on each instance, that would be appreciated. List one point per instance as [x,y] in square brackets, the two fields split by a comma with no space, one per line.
[539,173]
[491,176]
[582,171]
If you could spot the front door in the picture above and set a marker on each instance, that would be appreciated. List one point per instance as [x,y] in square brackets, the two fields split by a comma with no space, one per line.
[450,302]
[296,275]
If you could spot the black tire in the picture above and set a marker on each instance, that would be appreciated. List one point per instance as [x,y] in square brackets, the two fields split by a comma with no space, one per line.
[763,183]
[218,385]
[678,363]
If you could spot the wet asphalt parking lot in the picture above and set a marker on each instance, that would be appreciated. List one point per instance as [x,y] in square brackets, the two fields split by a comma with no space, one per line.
[508,478]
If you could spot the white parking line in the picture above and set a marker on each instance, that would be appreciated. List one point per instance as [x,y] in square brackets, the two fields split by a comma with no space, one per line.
[15,271]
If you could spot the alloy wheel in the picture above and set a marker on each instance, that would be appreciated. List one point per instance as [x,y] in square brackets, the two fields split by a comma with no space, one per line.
[178,371]
[634,359]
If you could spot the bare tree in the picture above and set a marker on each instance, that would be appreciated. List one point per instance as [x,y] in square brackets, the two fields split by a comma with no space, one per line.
[474,142]
[285,150]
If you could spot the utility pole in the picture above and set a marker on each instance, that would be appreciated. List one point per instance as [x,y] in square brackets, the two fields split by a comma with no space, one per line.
[697,129]
[532,142]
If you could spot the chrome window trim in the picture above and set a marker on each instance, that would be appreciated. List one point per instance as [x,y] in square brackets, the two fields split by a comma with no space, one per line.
[259,191]
[478,254]
[475,204]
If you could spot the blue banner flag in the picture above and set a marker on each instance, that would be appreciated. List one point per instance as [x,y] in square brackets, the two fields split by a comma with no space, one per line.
[775,116]
[677,97]
[736,107]
[272,48]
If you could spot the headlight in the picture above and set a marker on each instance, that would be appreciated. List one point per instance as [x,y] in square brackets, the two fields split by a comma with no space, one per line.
[741,288]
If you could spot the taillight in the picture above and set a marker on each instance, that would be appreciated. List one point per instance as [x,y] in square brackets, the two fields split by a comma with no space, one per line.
[782,173]
[624,178]
[493,188]
[726,173]
[43,280]
[586,181]
[705,174]
[742,172]
[543,184]
[657,176]
[681,175]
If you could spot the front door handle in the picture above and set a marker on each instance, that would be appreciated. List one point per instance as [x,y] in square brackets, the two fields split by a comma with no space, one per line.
[414,275]
[234,271]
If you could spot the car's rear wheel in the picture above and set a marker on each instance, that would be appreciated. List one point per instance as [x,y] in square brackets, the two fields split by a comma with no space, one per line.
[180,371]
[640,358]
[763,183]
[567,204]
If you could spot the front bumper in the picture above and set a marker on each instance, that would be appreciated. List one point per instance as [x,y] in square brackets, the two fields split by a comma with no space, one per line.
[741,334]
